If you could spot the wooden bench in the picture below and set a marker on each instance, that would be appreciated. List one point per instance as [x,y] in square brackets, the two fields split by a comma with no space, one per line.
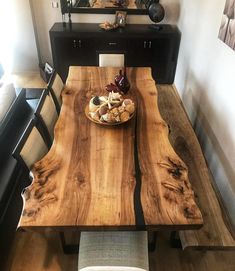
[215,233]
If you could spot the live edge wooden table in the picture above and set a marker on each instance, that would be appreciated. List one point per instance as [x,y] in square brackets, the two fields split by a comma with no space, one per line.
[125,177]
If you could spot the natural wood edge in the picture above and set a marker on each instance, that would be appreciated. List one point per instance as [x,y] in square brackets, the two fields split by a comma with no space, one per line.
[23,196]
[224,213]
[81,228]
[169,172]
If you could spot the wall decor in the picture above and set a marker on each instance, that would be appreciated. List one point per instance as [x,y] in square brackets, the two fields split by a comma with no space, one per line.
[227,27]
[105,6]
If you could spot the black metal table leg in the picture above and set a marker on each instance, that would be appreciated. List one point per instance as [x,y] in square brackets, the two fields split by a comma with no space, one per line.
[68,249]
[152,238]
[175,240]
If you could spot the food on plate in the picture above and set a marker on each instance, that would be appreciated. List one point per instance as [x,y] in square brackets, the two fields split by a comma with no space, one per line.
[103,110]
[111,109]
[125,116]
[130,108]
[96,102]
[127,101]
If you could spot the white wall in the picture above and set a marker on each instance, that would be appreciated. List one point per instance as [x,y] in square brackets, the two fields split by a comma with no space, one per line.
[17,44]
[45,16]
[206,80]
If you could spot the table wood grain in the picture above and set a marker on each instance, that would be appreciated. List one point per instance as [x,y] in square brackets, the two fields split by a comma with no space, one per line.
[123,177]
[166,193]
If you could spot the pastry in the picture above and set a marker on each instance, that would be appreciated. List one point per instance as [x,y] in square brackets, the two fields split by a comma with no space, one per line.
[121,109]
[115,112]
[108,117]
[124,116]
[126,102]
[130,108]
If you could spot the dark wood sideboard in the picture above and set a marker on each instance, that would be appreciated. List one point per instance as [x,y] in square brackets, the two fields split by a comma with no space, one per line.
[82,43]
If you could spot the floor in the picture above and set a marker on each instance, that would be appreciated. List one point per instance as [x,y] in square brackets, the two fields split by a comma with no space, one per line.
[43,252]
[28,80]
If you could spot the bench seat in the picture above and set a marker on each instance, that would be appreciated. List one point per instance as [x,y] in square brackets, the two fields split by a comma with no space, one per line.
[215,233]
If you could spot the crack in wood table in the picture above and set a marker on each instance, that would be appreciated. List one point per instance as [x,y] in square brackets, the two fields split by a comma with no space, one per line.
[125,177]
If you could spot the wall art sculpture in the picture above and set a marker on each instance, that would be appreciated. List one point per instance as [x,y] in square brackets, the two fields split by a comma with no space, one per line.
[227,28]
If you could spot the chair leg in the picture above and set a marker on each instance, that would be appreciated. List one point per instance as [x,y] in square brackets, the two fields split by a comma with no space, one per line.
[152,238]
[175,240]
[68,248]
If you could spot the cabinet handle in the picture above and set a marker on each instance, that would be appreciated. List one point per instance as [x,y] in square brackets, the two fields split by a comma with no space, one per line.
[145,43]
[112,43]
[150,44]
[80,44]
[74,44]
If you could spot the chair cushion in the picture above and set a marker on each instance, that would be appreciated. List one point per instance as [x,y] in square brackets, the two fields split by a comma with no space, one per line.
[57,87]
[32,152]
[11,129]
[7,96]
[111,60]
[49,115]
[126,251]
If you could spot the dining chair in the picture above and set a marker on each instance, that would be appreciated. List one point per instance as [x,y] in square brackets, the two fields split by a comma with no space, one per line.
[120,250]
[47,116]
[31,146]
[55,87]
[111,60]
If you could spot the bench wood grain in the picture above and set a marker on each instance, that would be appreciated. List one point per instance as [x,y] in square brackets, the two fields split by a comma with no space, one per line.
[215,233]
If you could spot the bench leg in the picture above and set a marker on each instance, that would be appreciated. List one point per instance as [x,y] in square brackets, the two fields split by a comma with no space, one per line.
[152,238]
[175,240]
[68,248]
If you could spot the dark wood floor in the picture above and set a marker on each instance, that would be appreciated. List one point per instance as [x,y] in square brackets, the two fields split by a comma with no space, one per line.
[43,252]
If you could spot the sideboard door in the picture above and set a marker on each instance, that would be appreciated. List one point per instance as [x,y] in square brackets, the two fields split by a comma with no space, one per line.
[73,51]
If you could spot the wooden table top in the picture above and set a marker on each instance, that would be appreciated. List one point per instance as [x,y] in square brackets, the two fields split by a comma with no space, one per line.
[121,177]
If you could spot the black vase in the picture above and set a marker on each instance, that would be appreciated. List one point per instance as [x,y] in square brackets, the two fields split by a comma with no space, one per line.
[156,14]
[122,81]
